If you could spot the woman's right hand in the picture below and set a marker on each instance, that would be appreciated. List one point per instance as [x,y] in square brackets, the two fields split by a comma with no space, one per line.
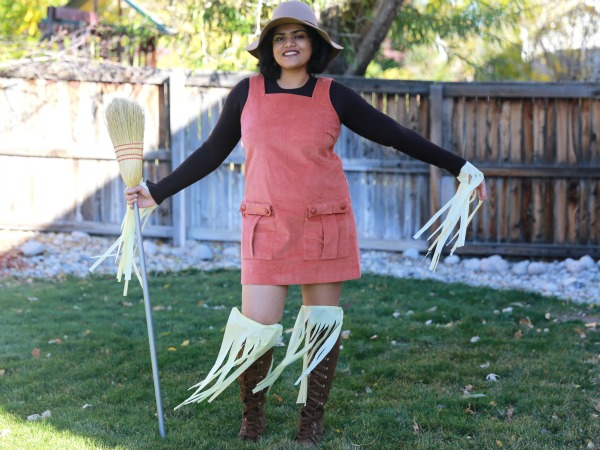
[140,195]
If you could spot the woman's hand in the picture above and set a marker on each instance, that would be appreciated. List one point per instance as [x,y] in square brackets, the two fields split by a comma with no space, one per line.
[481,192]
[139,195]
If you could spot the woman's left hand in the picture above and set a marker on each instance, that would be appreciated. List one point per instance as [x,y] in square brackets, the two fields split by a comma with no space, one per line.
[481,191]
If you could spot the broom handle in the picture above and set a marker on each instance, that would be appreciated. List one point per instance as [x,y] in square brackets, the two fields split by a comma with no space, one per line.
[138,228]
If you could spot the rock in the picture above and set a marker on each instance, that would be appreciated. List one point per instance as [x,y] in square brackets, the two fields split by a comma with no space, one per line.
[549,287]
[150,248]
[231,252]
[574,266]
[452,260]
[587,262]
[202,252]
[537,268]
[79,235]
[411,253]
[472,265]
[494,264]
[32,248]
[520,268]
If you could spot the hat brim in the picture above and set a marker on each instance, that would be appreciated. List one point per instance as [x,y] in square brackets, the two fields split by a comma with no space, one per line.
[336,49]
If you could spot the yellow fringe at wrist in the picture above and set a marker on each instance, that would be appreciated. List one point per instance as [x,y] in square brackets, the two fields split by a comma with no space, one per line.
[319,327]
[126,246]
[458,211]
[244,341]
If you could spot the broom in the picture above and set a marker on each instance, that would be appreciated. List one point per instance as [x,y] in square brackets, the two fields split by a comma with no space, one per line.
[125,123]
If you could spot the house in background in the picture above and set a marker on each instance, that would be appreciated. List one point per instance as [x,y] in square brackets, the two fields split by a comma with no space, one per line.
[117,30]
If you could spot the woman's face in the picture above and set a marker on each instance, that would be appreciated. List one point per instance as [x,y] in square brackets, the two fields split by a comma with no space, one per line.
[292,46]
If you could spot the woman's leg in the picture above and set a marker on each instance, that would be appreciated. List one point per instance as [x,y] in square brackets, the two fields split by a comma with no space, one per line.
[262,304]
[310,426]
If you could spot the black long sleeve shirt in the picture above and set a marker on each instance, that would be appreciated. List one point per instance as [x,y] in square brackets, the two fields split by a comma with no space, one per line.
[354,112]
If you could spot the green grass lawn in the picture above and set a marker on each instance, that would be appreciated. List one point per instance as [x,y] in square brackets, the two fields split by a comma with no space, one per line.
[413,380]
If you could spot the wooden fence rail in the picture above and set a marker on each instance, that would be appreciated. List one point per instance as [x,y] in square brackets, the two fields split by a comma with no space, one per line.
[538,145]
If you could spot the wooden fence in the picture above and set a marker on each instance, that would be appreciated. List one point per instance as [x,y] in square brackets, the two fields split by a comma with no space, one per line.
[538,145]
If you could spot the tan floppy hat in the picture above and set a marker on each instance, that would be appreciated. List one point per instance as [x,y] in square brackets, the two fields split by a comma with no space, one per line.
[294,12]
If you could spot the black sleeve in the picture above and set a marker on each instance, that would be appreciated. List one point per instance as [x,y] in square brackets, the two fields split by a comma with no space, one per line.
[212,152]
[368,122]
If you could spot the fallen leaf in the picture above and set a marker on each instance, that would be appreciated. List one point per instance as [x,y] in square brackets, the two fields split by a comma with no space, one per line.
[580,332]
[158,308]
[469,410]
[485,365]
[345,334]
[429,322]
[547,316]
[416,427]
[185,343]
[374,337]
[277,398]
[172,349]
[396,315]
[518,334]
[4,432]
[32,299]
[128,304]
[475,396]
[499,443]
[368,390]
[2,372]
[86,406]
[337,430]
[35,352]
[591,324]
[475,339]
[508,309]
[509,414]
[492,377]
[526,322]
[55,341]
[432,309]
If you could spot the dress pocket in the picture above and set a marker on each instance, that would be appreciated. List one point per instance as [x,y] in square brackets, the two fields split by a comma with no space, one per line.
[326,232]
[258,230]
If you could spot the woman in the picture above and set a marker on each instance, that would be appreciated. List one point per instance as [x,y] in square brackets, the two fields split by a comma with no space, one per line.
[297,221]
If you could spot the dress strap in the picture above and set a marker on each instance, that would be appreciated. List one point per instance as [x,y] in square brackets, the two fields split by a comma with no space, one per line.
[257,85]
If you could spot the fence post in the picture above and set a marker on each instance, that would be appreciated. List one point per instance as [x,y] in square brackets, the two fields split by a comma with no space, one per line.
[177,124]
[436,98]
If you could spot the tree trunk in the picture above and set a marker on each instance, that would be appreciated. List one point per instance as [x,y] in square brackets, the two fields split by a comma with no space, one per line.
[370,41]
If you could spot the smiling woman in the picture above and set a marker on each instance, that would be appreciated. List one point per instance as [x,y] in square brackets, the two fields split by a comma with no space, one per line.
[298,224]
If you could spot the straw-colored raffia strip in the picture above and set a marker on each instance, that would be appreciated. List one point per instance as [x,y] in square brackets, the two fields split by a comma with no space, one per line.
[244,342]
[319,328]
[125,124]
[458,211]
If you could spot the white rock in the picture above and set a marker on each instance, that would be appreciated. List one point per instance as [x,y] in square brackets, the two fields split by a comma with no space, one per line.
[150,248]
[549,287]
[452,260]
[232,252]
[520,268]
[587,261]
[202,252]
[494,264]
[79,235]
[472,265]
[411,253]
[537,268]
[568,281]
[574,266]
[32,248]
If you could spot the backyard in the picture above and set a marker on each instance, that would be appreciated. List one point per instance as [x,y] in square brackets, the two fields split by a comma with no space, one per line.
[424,365]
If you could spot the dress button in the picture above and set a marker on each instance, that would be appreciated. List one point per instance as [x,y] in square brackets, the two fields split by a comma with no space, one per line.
[343,206]
[313,211]
[243,207]
[267,211]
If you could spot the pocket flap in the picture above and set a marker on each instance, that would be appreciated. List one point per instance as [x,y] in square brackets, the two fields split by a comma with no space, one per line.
[256,208]
[336,207]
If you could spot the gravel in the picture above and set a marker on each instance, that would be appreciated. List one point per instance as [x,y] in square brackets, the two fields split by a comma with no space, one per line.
[26,255]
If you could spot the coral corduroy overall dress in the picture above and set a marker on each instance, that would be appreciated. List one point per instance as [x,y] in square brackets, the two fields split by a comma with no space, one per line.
[297,221]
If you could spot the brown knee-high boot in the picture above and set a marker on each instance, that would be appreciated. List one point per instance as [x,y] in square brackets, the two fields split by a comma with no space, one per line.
[253,414]
[310,426]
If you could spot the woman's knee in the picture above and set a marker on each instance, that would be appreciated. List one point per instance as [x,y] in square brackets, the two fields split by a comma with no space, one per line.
[263,304]
[321,294]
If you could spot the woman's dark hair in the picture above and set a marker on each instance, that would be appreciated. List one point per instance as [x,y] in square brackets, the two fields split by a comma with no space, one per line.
[319,59]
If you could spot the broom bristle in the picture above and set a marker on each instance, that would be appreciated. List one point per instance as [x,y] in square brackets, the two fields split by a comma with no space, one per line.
[125,123]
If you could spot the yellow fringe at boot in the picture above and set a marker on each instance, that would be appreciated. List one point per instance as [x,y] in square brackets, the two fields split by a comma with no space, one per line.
[319,327]
[244,341]
[470,177]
